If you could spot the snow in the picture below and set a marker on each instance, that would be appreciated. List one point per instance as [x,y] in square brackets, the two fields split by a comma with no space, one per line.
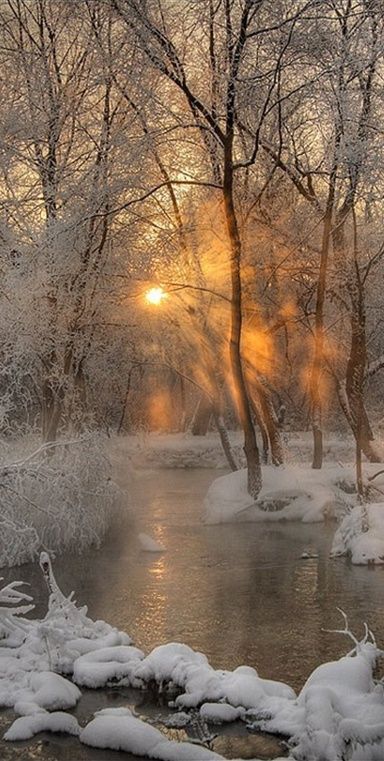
[289,492]
[28,726]
[148,544]
[361,535]
[101,667]
[65,501]
[179,665]
[339,711]
[183,450]
[118,729]
[33,651]
[220,713]
[49,690]
[338,703]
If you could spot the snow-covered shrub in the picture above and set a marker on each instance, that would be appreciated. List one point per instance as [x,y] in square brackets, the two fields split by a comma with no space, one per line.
[11,609]
[361,535]
[59,497]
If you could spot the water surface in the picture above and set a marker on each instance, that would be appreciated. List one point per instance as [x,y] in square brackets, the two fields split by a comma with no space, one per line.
[240,593]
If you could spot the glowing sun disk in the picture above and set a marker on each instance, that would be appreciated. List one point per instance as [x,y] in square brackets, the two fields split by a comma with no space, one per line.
[155,295]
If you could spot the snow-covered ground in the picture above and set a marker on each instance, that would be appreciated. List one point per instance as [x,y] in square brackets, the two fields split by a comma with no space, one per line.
[289,492]
[338,714]
[182,450]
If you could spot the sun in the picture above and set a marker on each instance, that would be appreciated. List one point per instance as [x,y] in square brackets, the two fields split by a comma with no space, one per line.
[155,295]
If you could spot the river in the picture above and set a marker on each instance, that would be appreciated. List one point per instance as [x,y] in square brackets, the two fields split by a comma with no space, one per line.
[240,593]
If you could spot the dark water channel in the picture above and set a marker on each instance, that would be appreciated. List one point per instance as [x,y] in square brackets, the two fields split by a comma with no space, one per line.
[239,593]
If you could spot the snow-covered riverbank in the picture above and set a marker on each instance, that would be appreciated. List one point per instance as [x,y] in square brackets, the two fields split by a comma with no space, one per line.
[299,493]
[45,663]
[182,450]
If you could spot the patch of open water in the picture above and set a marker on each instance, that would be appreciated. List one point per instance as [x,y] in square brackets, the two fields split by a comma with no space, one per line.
[240,593]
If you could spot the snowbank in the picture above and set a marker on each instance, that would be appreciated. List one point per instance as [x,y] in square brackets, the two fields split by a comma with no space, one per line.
[34,654]
[339,713]
[183,450]
[101,667]
[361,535]
[178,450]
[178,665]
[289,492]
[28,726]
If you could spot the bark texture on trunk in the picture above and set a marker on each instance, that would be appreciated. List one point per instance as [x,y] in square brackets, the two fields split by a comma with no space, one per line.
[250,444]
[224,438]
[202,416]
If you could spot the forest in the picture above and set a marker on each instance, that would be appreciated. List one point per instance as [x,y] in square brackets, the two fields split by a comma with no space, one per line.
[227,155]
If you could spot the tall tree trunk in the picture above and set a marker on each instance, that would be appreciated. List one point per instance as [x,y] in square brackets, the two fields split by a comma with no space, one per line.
[270,421]
[183,408]
[354,383]
[250,444]
[366,436]
[318,355]
[201,416]
[224,438]
[264,433]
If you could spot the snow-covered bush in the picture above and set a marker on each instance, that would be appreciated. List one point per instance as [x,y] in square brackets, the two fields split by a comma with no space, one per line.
[10,608]
[360,535]
[59,497]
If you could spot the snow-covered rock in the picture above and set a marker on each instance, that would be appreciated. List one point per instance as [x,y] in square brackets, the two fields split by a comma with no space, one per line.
[117,729]
[220,713]
[189,670]
[149,544]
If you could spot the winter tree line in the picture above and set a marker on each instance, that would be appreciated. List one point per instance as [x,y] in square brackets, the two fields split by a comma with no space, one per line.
[227,152]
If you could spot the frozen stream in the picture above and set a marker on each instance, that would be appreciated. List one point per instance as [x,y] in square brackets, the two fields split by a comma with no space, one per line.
[239,593]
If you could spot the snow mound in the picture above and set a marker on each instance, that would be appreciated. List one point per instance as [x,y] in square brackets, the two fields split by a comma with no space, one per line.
[220,713]
[104,666]
[117,729]
[28,726]
[35,653]
[289,492]
[51,691]
[339,713]
[148,544]
[361,535]
[179,665]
